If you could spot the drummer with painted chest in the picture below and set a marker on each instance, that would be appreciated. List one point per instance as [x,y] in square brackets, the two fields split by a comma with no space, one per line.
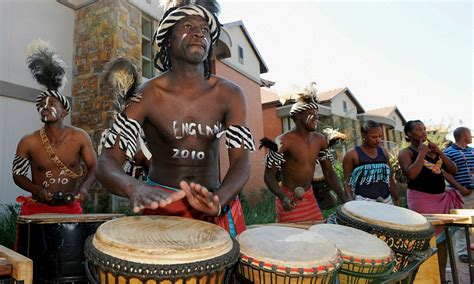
[295,153]
[183,112]
[54,152]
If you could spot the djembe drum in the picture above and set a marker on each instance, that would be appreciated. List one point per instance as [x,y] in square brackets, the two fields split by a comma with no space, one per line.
[405,231]
[365,258]
[55,243]
[275,254]
[160,249]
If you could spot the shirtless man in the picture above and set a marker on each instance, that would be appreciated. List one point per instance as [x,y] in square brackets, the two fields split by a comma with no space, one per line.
[55,151]
[183,112]
[295,153]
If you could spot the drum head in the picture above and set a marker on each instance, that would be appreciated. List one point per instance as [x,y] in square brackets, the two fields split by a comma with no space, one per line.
[289,247]
[161,240]
[385,215]
[353,242]
[49,218]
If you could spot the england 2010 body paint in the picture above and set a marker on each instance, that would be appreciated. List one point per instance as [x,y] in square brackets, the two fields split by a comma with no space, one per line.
[50,179]
[194,129]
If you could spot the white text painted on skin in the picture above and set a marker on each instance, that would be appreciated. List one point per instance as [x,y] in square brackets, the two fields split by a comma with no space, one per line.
[50,179]
[195,129]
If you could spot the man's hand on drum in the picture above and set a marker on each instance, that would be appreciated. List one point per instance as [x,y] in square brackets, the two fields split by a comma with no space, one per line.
[200,198]
[82,194]
[144,196]
[288,204]
[44,195]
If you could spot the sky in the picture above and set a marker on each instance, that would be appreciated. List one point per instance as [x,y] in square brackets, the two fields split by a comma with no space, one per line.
[416,55]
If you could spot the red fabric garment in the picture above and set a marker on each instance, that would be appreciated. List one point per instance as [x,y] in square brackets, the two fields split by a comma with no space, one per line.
[442,203]
[182,208]
[306,208]
[30,207]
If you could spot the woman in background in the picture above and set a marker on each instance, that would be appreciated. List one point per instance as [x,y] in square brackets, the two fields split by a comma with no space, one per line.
[422,163]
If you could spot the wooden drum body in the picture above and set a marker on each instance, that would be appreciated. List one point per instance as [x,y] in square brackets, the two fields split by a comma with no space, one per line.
[365,258]
[160,249]
[55,243]
[275,254]
[405,231]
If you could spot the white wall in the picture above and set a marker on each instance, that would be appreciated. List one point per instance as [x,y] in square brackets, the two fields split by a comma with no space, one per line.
[337,106]
[151,7]
[10,134]
[25,20]
[251,64]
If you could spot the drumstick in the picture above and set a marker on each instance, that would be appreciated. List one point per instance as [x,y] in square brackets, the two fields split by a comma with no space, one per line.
[299,192]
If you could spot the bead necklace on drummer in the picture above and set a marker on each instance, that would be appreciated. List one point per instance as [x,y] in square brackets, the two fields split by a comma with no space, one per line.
[54,152]
[183,112]
[423,163]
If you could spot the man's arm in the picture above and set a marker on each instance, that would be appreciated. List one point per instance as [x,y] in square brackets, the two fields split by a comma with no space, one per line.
[271,182]
[330,174]
[348,167]
[88,155]
[21,164]
[109,168]
[462,189]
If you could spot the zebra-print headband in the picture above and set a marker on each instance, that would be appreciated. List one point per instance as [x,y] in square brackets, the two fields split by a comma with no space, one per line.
[51,93]
[301,106]
[175,16]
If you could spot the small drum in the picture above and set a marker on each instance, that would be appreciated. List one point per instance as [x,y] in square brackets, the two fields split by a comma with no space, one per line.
[405,231]
[365,258]
[275,254]
[55,243]
[160,249]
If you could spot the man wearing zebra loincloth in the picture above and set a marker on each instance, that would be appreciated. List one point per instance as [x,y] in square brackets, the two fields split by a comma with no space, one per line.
[183,112]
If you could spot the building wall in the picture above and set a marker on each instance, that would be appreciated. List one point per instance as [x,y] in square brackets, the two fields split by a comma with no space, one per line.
[251,64]
[337,106]
[254,121]
[26,20]
[272,125]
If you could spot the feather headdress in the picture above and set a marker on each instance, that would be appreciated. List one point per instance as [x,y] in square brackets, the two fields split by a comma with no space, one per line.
[333,135]
[306,98]
[49,70]
[123,76]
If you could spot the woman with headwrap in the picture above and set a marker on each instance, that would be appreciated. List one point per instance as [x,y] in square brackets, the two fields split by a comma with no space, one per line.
[183,112]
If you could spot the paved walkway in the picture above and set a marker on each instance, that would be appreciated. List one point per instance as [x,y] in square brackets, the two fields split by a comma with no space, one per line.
[463,272]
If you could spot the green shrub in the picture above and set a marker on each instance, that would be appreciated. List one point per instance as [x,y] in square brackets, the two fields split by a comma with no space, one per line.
[9,214]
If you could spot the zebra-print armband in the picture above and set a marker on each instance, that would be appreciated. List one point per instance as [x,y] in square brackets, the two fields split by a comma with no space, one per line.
[20,166]
[274,159]
[325,155]
[237,135]
[128,130]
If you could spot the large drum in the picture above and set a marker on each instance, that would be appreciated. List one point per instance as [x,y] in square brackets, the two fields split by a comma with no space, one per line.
[160,249]
[275,254]
[405,231]
[365,258]
[55,243]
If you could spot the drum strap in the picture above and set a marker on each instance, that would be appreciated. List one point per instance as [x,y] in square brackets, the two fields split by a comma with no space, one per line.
[55,158]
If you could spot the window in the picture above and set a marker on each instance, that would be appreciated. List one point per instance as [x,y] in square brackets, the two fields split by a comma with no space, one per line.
[148,71]
[344,106]
[288,123]
[241,54]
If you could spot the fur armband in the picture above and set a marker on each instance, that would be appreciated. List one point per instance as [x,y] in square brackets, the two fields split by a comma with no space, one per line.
[325,155]
[128,131]
[20,166]
[237,135]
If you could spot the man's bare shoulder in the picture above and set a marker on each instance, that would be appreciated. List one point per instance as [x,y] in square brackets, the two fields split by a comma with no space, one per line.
[226,87]
[78,133]
[30,138]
